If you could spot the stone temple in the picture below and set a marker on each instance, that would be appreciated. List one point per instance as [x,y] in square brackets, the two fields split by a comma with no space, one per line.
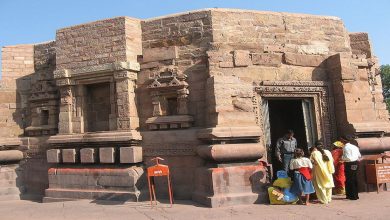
[209,91]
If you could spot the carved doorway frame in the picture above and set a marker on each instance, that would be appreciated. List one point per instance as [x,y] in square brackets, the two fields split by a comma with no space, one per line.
[319,91]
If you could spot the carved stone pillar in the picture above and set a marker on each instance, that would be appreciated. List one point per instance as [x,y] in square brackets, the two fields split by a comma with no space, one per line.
[78,105]
[126,116]
[156,104]
[182,101]
[66,109]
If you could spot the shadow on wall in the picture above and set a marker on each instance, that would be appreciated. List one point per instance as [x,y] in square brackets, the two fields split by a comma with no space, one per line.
[334,75]
[21,115]
[260,182]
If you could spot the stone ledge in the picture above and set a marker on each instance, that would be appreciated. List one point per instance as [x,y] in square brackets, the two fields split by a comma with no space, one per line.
[60,195]
[119,136]
[110,67]
[231,152]
[229,133]
[366,127]
[169,122]
[374,145]
[11,155]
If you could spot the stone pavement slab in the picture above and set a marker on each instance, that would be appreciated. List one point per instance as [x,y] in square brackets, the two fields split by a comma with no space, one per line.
[371,206]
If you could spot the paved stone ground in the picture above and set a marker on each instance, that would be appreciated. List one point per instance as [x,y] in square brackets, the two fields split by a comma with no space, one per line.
[371,206]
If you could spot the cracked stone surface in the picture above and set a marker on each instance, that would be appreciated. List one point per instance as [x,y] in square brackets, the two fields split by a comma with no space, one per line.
[370,206]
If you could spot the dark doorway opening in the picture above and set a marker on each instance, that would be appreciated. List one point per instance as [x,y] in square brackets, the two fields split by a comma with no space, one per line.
[98,107]
[285,114]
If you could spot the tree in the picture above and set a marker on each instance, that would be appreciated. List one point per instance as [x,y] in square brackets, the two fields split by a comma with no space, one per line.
[385,75]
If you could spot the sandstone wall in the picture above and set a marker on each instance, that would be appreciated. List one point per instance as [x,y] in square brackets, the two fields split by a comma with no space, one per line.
[17,67]
[44,92]
[189,34]
[251,47]
[358,94]
[181,41]
[360,44]
[100,42]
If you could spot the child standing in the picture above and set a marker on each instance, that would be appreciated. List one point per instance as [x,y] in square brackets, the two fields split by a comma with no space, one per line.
[302,178]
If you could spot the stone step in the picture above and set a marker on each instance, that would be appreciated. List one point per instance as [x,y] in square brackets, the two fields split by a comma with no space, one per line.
[72,194]
[230,199]
[9,191]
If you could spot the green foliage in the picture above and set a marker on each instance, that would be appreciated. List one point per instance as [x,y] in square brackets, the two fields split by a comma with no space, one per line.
[385,75]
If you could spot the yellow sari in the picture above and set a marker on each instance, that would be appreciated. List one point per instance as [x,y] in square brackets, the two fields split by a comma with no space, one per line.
[322,176]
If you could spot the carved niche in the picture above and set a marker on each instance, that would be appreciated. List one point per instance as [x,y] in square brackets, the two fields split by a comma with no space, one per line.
[169,94]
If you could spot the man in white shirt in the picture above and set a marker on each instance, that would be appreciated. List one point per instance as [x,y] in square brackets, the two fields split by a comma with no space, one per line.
[351,157]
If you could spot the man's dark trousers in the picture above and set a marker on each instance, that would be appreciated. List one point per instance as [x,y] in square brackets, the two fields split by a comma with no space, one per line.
[351,183]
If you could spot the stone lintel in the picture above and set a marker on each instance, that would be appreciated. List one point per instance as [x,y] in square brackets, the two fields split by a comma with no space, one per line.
[267,59]
[303,59]
[103,68]
[160,53]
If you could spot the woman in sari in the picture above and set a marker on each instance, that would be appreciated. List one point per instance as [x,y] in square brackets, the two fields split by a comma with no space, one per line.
[339,175]
[322,173]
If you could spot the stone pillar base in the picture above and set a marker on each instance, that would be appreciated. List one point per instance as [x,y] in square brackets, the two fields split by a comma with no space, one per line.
[231,184]
[97,183]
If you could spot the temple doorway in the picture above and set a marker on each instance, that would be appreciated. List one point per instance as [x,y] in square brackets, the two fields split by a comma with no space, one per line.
[285,114]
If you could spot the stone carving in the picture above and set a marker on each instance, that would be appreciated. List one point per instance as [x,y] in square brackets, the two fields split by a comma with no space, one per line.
[168,77]
[169,93]
[66,95]
[182,99]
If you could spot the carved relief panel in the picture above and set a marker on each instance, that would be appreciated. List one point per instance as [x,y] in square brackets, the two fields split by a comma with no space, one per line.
[169,93]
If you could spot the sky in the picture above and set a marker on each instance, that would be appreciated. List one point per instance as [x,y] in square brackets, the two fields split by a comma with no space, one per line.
[34,21]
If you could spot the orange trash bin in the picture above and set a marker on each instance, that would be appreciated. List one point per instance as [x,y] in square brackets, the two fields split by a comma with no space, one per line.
[158,170]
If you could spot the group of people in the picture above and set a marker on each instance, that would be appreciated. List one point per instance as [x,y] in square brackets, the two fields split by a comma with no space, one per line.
[323,172]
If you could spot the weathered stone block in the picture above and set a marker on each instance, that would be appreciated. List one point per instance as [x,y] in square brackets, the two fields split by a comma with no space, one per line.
[130,154]
[241,58]
[226,64]
[348,73]
[107,155]
[303,60]
[267,59]
[161,53]
[273,48]
[69,155]
[88,155]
